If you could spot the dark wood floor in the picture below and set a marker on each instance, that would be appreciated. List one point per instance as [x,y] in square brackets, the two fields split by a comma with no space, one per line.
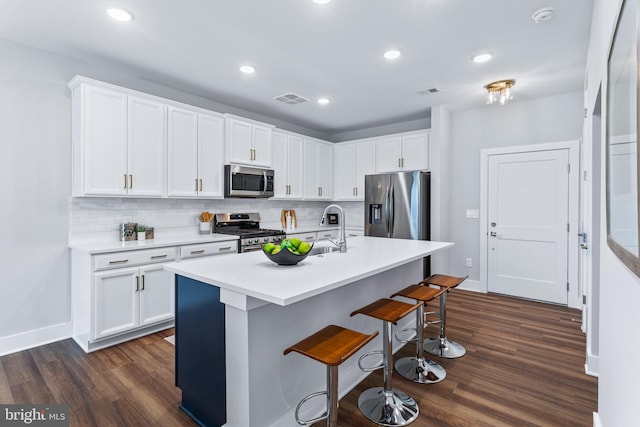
[524,367]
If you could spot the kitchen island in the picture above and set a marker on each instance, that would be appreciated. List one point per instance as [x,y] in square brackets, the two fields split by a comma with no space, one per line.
[236,314]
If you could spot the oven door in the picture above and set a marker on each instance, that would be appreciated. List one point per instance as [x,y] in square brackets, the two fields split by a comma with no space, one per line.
[245,181]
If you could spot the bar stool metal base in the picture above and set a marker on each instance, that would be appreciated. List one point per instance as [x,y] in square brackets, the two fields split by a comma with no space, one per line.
[421,371]
[442,347]
[388,408]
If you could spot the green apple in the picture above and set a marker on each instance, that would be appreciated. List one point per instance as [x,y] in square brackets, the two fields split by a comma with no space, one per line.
[269,247]
[304,247]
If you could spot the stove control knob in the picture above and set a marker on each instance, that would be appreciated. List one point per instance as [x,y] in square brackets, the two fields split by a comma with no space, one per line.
[250,242]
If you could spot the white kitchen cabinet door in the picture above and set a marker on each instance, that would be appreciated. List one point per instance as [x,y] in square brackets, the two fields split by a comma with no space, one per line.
[318,164]
[248,142]
[389,154]
[261,141]
[102,129]
[156,294]
[311,188]
[183,152]
[287,163]
[115,302]
[325,171]
[352,162]
[210,156]
[345,170]
[280,165]
[239,142]
[415,151]
[147,147]
[366,165]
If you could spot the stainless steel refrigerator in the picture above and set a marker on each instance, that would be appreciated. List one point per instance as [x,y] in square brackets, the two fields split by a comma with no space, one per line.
[397,205]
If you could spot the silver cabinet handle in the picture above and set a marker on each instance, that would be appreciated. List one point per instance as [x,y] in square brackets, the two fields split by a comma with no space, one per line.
[120,261]
[142,289]
[226,248]
[137,283]
[309,238]
[130,181]
[159,256]
[200,184]
[125,181]
[201,251]
[196,180]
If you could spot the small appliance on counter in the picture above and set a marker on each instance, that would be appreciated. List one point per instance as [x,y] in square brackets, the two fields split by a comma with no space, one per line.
[247,227]
[332,219]
[128,231]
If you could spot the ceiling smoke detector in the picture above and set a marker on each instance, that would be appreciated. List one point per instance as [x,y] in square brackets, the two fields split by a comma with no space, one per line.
[543,15]
[291,98]
[428,91]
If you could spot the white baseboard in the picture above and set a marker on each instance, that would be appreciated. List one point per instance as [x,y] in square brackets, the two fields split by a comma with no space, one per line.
[472,285]
[592,365]
[34,338]
[596,420]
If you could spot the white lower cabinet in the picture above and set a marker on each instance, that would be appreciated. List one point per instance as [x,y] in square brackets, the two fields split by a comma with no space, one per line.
[128,298]
[122,295]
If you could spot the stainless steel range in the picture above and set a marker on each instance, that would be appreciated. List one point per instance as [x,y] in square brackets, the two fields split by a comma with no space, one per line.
[247,226]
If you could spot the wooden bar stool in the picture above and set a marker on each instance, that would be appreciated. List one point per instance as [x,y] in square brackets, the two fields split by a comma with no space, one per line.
[418,369]
[441,346]
[331,346]
[384,405]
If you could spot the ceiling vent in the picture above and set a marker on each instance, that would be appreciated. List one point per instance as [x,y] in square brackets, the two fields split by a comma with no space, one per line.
[428,91]
[291,98]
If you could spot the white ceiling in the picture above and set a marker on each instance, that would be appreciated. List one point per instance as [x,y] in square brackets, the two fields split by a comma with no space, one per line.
[312,50]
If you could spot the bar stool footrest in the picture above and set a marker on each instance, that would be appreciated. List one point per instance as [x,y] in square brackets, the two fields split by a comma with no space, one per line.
[388,408]
[415,331]
[305,400]
[371,353]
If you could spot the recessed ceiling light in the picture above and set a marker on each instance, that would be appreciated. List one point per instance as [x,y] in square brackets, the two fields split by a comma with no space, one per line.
[321,1]
[248,69]
[120,14]
[482,57]
[392,54]
[323,101]
[543,15]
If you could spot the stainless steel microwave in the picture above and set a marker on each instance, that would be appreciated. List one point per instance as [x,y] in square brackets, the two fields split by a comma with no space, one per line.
[247,181]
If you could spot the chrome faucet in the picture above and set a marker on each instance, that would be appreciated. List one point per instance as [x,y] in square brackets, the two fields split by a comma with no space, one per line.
[342,238]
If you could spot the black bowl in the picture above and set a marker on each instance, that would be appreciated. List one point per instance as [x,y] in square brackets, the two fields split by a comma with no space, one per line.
[285,257]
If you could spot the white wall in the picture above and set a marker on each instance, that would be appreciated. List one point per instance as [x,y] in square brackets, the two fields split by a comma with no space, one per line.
[549,119]
[619,340]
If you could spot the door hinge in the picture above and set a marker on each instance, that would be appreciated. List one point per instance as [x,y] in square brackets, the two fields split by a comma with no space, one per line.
[568,227]
[567,286]
[584,300]
[585,113]
[568,167]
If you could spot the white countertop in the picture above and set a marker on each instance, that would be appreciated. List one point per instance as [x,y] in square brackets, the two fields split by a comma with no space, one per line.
[96,243]
[254,275]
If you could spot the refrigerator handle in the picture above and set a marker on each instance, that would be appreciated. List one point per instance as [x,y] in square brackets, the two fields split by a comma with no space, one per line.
[392,214]
[387,211]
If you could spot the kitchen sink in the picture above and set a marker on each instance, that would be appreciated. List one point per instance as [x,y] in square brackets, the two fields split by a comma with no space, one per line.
[320,250]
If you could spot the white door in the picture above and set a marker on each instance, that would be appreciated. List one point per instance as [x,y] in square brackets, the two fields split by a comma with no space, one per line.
[115,302]
[389,154]
[528,217]
[294,167]
[415,151]
[325,171]
[345,179]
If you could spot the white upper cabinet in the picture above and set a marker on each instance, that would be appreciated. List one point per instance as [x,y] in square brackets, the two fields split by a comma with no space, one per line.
[409,151]
[147,149]
[119,142]
[318,172]
[248,142]
[287,163]
[352,162]
[196,154]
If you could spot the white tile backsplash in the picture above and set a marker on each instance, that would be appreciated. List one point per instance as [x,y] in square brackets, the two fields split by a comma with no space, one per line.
[102,214]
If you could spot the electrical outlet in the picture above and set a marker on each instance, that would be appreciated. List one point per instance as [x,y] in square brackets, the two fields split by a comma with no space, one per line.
[469,262]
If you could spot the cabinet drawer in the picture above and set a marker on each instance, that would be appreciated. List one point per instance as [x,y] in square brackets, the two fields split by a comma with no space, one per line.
[355,233]
[208,249]
[328,234]
[308,237]
[131,258]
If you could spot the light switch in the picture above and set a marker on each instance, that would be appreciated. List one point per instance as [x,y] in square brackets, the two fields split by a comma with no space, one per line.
[473,213]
